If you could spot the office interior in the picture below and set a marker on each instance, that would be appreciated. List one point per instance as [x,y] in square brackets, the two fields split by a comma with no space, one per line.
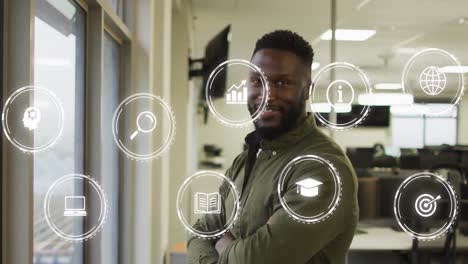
[95,53]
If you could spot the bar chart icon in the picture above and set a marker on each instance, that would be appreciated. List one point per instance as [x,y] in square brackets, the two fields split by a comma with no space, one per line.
[237,94]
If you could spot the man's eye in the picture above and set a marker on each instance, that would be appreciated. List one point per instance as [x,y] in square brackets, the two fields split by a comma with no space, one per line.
[255,82]
[281,83]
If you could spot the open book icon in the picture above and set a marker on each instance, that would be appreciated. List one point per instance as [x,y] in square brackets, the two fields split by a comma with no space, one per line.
[207,203]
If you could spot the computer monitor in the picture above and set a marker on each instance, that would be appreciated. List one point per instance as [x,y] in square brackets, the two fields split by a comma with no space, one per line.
[410,162]
[75,203]
[430,158]
[216,52]
[361,157]
[75,206]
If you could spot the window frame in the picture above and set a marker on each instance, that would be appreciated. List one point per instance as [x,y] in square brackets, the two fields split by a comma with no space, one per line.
[2,84]
[101,20]
[120,42]
[17,171]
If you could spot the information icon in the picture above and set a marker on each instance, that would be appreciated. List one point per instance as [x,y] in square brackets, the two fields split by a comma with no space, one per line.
[338,87]
[340,94]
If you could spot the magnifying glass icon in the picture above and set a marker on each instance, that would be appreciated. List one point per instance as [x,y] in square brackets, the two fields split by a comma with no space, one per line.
[151,124]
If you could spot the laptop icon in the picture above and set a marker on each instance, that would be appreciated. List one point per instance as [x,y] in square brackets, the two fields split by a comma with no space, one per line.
[75,206]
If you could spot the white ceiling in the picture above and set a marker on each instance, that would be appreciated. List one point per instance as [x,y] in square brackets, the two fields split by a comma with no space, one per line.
[402,28]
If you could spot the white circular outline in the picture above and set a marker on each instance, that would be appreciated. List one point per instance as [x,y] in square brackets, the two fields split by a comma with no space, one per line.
[102,215]
[328,91]
[366,108]
[170,138]
[55,100]
[453,206]
[263,104]
[461,80]
[419,203]
[336,197]
[230,222]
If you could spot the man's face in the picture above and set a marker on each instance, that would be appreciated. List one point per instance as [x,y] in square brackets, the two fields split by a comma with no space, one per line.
[289,81]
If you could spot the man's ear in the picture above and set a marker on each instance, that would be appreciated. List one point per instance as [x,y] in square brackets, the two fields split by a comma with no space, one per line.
[308,89]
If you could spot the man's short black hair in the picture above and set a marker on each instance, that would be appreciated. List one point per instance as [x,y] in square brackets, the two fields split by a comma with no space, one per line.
[289,41]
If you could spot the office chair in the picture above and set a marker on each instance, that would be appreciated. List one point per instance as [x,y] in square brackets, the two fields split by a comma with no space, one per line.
[382,160]
[456,176]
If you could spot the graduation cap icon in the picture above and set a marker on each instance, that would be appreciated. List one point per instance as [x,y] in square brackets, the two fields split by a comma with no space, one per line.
[308,187]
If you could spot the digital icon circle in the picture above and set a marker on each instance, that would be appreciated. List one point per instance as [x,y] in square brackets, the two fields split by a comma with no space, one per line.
[210,195]
[431,75]
[33,119]
[152,123]
[340,94]
[339,88]
[310,188]
[70,202]
[432,80]
[140,119]
[245,82]
[425,206]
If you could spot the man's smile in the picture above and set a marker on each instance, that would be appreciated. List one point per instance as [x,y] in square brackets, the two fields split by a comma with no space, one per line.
[271,112]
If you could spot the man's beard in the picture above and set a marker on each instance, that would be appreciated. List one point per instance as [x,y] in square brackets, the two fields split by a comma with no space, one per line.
[288,120]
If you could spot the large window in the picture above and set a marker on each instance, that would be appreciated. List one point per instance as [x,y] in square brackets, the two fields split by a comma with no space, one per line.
[79,52]
[413,130]
[59,65]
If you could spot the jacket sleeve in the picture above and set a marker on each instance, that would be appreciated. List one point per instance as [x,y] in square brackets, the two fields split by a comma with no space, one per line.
[286,240]
[202,251]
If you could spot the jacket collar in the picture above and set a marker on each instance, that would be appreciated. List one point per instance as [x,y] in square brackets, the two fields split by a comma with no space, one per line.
[289,138]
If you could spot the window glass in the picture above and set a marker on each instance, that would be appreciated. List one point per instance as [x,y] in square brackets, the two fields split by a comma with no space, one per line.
[412,130]
[59,65]
[440,131]
[110,159]
[407,132]
[116,6]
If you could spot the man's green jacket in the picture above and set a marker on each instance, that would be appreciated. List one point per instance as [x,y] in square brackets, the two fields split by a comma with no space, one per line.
[264,232]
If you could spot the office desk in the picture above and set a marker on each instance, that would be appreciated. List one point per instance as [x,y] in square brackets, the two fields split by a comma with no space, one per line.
[378,243]
[380,239]
[386,239]
[390,246]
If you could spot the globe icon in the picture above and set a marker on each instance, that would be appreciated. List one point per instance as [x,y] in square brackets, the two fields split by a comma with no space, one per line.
[432,80]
